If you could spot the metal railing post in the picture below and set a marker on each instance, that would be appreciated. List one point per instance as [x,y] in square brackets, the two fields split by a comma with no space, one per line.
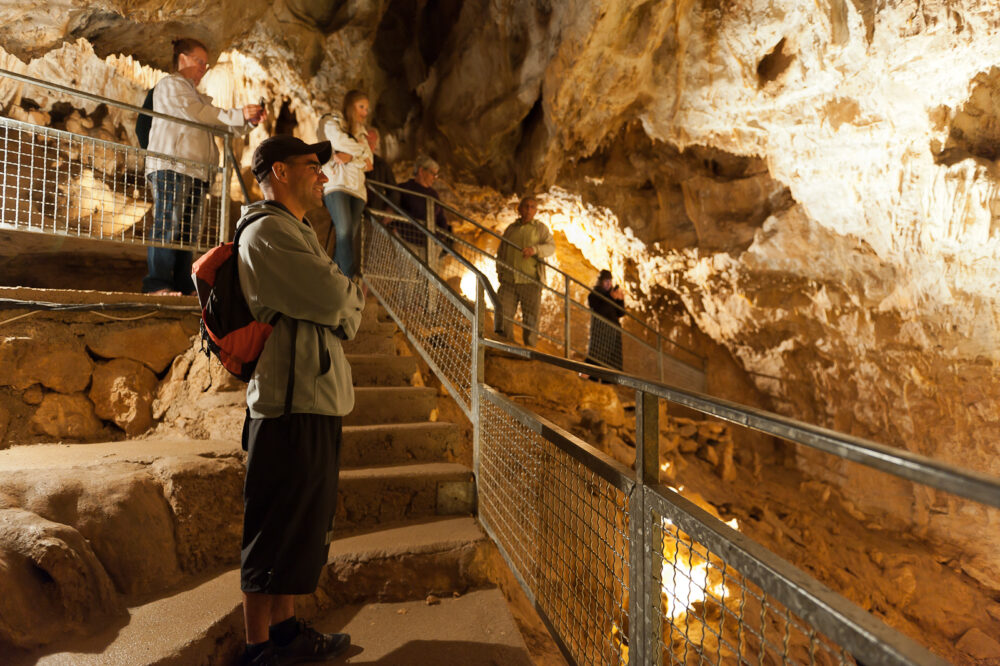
[659,356]
[647,473]
[227,174]
[567,311]
[478,374]
[432,255]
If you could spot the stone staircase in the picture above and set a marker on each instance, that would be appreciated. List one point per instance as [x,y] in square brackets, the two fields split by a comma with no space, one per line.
[409,574]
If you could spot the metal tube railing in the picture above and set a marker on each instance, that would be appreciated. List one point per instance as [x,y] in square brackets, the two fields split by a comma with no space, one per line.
[61,183]
[621,569]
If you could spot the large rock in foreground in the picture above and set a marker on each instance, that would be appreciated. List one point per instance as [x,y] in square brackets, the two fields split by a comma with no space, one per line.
[53,584]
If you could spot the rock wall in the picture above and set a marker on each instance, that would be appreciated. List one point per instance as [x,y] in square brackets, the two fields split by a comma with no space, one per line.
[90,379]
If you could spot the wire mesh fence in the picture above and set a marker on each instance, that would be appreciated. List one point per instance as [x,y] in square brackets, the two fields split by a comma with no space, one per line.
[563,527]
[60,183]
[620,571]
[434,317]
[709,613]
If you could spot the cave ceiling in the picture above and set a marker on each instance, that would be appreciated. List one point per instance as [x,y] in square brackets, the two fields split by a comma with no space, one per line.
[816,182]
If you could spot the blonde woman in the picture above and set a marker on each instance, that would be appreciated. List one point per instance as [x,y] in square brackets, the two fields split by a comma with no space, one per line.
[344,193]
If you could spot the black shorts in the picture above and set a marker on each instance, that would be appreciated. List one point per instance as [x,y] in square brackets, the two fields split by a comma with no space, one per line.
[289,501]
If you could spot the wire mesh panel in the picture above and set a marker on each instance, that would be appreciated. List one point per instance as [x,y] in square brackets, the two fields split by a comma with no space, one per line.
[715,597]
[68,184]
[432,316]
[708,613]
[563,529]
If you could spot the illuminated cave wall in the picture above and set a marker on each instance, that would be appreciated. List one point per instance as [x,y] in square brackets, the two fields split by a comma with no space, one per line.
[814,183]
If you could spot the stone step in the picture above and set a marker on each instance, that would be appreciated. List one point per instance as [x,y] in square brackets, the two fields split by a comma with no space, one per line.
[391,404]
[202,624]
[373,339]
[399,443]
[474,629]
[381,369]
[371,496]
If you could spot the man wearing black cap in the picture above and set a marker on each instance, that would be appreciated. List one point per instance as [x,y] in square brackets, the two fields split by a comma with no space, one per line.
[293,440]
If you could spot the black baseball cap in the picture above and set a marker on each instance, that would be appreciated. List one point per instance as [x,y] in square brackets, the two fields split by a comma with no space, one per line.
[282,146]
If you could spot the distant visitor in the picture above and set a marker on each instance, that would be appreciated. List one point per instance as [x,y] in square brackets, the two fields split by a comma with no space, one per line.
[414,203]
[608,305]
[521,273]
[179,187]
[344,193]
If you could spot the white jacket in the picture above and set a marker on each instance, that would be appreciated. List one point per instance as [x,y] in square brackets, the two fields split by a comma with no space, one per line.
[348,177]
[177,96]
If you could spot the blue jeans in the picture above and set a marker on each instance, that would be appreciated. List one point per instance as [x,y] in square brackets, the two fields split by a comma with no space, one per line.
[345,210]
[177,218]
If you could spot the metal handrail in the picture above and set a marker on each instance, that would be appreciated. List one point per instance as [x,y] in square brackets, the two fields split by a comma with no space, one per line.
[110,102]
[402,216]
[229,164]
[965,483]
[569,278]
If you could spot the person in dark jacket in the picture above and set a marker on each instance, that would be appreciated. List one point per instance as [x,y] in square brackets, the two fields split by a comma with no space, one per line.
[415,204]
[608,305]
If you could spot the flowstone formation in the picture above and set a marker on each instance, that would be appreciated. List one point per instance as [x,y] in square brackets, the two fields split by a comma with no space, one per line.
[811,186]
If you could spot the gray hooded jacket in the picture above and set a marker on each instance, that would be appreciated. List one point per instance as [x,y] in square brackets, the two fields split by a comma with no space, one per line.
[284,269]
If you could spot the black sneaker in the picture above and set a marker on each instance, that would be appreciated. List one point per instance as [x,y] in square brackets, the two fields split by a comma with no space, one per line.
[310,645]
[266,658]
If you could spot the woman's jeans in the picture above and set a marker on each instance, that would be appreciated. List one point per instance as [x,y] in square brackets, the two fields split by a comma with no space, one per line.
[345,210]
[177,218]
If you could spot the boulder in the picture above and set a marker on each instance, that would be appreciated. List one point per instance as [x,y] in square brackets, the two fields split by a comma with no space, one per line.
[123,391]
[33,395]
[57,360]
[52,582]
[119,508]
[155,345]
[978,645]
[66,416]
[206,496]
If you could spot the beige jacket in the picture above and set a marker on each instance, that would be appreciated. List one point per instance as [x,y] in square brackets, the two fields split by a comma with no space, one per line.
[283,268]
[178,96]
[520,235]
[348,177]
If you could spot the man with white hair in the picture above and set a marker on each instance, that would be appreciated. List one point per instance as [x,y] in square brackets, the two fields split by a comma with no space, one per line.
[415,205]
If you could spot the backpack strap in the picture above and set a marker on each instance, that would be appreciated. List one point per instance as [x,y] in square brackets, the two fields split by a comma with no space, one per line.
[290,387]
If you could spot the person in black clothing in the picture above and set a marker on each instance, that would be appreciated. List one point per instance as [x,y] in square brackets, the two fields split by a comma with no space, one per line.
[605,338]
[415,205]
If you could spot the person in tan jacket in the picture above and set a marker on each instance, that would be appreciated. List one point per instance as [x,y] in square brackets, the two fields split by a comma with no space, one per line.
[521,272]
[180,165]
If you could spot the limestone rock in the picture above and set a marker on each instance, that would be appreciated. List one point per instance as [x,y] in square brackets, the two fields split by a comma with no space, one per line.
[66,416]
[109,505]
[517,377]
[206,496]
[978,645]
[52,582]
[122,391]
[33,395]
[4,424]
[156,345]
[58,360]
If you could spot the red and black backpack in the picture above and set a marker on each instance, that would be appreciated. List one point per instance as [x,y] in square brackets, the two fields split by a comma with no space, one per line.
[227,327]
